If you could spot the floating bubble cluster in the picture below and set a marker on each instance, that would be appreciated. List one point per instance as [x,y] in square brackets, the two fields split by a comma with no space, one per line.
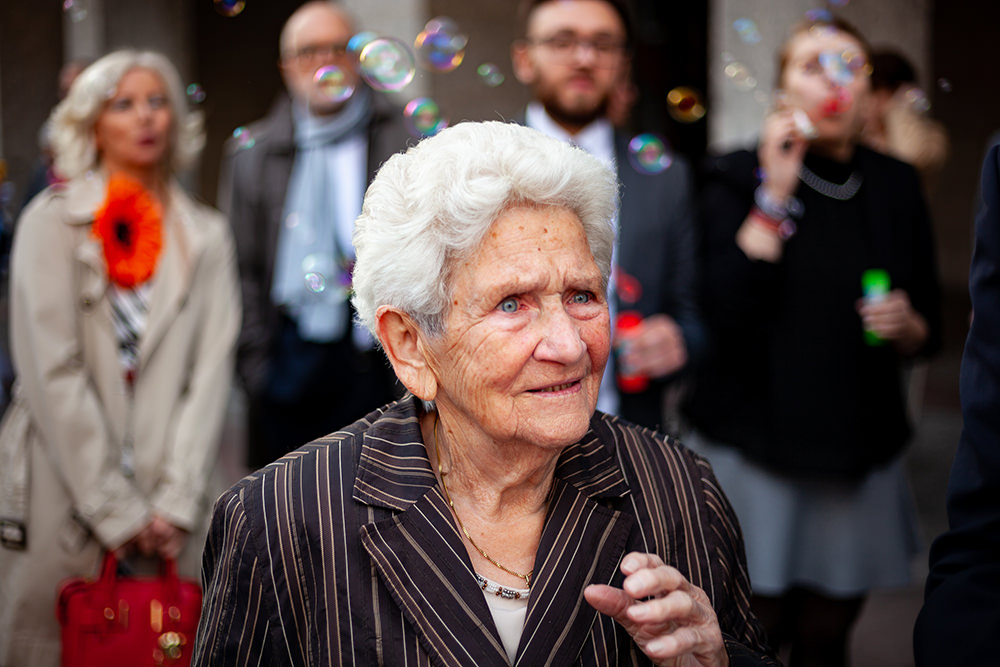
[440,47]
[244,139]
[333,84]
[230,8]
[740,76]
[648,154]
[747,30]
[195,93]
[490,74]
[76,9]
[916,99]
[423,117]
[386,64]
[841,68]
[684,105]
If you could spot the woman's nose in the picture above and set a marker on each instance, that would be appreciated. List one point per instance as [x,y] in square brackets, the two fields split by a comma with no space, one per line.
[560,338]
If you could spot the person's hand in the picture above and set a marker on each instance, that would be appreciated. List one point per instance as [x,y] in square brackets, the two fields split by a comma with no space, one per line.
[782,147]
[759,243]
[670,619]
[169,539]
[894,319]
[159,537]
[655,349]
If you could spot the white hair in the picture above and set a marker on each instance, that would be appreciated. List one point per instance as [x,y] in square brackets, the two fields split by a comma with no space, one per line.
[433,204]
[72,121]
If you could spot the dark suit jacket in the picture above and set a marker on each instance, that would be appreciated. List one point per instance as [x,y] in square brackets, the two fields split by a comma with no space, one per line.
[657,245]
[960,621]
[345,552]
[252,187]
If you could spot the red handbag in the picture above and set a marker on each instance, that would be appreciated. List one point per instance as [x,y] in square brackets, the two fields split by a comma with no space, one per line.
[133,621]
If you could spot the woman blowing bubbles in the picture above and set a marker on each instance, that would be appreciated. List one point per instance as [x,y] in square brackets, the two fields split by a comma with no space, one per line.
[488,516]
[801,408]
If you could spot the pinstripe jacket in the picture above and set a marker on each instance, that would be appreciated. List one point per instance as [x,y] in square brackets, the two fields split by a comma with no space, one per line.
[344,553]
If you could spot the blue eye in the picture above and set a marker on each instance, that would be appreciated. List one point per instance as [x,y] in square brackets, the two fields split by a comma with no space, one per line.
[157,102]
[581,297]
[509,305]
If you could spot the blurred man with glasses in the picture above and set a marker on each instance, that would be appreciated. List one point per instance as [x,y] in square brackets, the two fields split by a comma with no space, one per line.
[292,185]
[574,55]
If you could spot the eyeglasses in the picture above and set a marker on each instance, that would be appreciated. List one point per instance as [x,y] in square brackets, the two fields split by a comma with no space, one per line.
[564,46]
[312,53]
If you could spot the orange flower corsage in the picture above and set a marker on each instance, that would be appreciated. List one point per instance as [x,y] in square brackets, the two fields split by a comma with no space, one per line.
[129,226]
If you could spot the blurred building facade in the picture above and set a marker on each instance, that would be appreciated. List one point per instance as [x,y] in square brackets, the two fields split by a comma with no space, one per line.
[234,60]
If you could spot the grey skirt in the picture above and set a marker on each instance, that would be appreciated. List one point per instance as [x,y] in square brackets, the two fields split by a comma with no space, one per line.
[841,539]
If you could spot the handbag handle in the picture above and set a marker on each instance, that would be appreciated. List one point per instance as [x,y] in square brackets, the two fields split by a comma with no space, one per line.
[170,582]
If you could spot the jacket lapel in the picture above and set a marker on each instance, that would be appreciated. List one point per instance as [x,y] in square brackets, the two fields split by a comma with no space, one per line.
[423,562]
[582,543]
[421,559]
[182,244]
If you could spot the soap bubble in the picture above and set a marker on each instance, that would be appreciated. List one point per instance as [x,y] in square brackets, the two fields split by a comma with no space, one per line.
[423,117]
[490,74]
[648,154]
[747,30]
[740,76]
[76,9]
[684,105]
[944,85]
[440,47]
[627,287]
[195,93]
[244,139]
[386,64]
[333,84]
[357,43]
[229,8]
[916,99]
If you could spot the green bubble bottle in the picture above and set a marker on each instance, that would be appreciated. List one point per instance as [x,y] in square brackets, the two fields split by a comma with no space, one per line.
[874,288]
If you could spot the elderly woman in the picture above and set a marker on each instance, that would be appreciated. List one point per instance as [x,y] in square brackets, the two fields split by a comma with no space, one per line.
[489,517]
[124,311]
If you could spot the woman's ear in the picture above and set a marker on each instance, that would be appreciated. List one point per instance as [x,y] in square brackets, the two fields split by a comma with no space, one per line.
[402,341]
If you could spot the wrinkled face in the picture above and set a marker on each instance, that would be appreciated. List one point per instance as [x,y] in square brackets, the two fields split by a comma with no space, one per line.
[572,58]
[527,333]
[132,131]
[316,37]
[827,76]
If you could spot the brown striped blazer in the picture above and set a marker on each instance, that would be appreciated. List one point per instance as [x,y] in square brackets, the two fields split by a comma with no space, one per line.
[343,552]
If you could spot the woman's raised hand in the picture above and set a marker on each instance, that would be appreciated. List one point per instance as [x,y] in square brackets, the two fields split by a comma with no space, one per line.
[782,146]
[669,618]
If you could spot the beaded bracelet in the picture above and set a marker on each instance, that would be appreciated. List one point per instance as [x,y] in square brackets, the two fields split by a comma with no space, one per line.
[784,228]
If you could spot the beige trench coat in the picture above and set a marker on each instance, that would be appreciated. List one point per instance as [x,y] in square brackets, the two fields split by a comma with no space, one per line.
[72,391]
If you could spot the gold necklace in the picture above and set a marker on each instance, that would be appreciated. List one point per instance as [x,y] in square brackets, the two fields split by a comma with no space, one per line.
[447,496]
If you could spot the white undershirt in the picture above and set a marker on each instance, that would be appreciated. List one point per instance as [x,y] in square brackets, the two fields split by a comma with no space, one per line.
[508,616]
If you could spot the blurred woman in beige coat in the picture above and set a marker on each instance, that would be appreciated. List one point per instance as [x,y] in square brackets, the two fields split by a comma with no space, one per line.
[124,310]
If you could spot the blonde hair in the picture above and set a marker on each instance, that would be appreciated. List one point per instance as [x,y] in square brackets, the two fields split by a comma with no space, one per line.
[72,121]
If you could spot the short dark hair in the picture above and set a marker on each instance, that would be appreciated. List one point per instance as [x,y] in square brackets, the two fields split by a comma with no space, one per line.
[527,7]
[890,70]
